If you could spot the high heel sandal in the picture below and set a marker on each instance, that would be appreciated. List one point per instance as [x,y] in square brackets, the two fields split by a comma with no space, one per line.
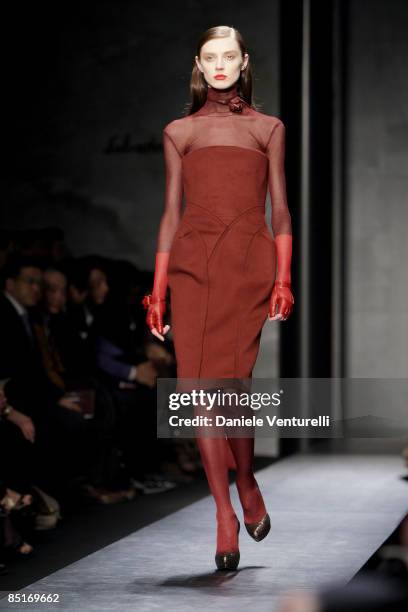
[258,531]
[228,560]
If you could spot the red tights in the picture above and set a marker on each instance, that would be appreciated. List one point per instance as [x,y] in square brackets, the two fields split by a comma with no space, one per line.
[217,458]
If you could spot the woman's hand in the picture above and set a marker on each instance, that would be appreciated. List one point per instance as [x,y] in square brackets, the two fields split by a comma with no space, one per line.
[24,423]
[15,500]
[146,374]
[158,354]
[156,308]
[281,298]
[67,402]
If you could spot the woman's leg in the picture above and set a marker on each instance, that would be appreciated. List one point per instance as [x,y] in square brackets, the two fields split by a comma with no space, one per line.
[214,456]
[248,490]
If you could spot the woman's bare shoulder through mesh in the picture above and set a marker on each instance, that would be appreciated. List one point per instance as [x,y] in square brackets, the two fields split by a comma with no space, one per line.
[179,131]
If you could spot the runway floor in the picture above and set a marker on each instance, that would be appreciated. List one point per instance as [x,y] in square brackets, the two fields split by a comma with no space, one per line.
[329,514]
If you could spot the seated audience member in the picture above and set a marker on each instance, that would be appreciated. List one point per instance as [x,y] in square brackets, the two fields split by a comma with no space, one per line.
[87,289]
[53,333]
[121,351]
[21,506]
[49,326]
[17,436]
[19,355]
[61,347]
[61,432]
[122,338]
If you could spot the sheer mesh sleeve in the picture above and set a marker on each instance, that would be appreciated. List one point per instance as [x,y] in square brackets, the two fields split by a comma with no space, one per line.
[275,150]
[173,196]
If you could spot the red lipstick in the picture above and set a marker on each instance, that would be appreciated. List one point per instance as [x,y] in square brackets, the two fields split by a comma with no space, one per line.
[220,77]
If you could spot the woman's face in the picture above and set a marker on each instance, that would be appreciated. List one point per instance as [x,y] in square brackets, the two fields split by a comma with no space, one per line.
[98,286]
[55,291]
[221,56]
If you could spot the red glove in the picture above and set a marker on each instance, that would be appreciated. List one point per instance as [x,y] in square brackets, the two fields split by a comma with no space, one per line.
[281,296]
[155,303]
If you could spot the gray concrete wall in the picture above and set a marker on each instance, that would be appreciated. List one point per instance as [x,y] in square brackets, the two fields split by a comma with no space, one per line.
[377,200]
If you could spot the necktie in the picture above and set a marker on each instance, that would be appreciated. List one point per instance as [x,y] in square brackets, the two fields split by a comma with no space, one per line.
[27,326]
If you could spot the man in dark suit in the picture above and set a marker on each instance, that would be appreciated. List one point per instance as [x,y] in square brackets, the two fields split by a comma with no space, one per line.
[59,426]
[29,388]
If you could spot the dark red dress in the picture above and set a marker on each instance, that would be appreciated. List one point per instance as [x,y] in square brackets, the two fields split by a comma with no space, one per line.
[222,262]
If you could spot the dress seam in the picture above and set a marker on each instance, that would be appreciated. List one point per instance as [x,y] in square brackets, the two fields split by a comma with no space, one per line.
[195,230]
[228,227]
[239,318]
[207,211]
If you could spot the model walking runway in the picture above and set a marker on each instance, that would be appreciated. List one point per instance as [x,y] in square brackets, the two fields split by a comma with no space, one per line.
[226,273]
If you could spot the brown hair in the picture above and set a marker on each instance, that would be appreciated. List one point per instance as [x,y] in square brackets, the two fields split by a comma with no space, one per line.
[198,84]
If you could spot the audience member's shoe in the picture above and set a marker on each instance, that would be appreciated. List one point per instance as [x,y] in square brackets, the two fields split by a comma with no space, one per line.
[162,479]
[186,464]
[107,496]
[173,472]
[153,483]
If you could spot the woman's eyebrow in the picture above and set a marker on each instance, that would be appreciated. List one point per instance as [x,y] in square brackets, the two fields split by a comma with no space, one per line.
[212,52]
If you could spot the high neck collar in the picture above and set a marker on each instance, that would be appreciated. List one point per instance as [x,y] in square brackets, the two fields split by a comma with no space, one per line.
[223,96]
[223,101]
